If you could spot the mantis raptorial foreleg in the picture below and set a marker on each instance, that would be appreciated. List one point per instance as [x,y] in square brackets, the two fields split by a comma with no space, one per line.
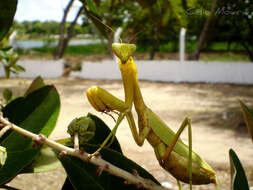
[173,155]
[104,101]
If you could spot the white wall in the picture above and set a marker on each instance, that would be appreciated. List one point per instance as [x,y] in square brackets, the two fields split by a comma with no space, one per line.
[34,68]
[174,71]
[166,71]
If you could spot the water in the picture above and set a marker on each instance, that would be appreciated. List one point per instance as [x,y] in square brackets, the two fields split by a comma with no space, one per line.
[27,44]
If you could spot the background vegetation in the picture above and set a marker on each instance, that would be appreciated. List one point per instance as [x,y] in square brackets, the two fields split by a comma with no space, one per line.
[214,26]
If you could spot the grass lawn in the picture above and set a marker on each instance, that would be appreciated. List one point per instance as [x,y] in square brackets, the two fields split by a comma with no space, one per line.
[217,51]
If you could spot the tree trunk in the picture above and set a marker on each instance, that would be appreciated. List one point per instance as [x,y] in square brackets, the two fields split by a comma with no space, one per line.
[248,49]
[62,30]
[251,55]
[184,4]
[203,36]
[69,34]
[153,50]
[155,44]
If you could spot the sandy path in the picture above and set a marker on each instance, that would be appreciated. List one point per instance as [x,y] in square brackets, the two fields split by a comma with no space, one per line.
[207,105]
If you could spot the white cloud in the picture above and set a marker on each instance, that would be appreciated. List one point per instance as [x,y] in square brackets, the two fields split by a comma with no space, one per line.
[44,10]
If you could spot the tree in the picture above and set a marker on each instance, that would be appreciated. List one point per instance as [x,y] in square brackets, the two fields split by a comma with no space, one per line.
[204,33]
[63,41]
[144,20]
[236,17]
[106,16]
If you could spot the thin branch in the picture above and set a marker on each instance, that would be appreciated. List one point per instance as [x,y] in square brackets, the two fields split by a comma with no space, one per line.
[62,28]
[4,130]
[76,141]
[7,187]
[96,160]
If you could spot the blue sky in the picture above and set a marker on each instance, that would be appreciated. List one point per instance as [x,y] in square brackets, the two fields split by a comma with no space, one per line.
[43,10]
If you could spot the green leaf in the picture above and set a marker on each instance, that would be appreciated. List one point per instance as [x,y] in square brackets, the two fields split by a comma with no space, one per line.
[44,161]
[178,12]
[92,6]
[248,118]
[67,185]
[146,3]
[18,68]
[37,113]
[7,72]
[7,94]
[8,48]
[37,83]
[8,9]
[102,131]
[83,175]
[238,177]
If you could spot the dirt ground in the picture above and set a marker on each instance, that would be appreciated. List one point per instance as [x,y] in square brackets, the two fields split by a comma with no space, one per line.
[214,110]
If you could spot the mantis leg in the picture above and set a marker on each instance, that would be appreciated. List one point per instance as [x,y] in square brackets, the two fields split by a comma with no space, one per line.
[111,135]
[169,149]
[103,101]
[179,185]
[143,133]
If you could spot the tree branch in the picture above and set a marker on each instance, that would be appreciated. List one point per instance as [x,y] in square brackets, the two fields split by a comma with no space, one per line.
[98,161]
[62,28]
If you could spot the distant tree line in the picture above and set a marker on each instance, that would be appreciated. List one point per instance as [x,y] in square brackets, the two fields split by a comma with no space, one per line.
[152,24]
[38,28]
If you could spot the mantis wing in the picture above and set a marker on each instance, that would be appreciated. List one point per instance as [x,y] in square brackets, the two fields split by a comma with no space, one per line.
[167,136]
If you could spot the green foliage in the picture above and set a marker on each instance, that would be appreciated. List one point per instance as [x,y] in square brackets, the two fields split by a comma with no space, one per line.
[236,17]
[248,118]
[92,6]
[37,83]
[9,57]
[84,175]
[226,56]
[37,112]
[238,176]
[8,9]
[78,49]
[44,161]
[7,95]
[46,31]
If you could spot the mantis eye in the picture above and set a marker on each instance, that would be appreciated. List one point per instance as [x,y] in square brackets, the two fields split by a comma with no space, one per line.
[123,51]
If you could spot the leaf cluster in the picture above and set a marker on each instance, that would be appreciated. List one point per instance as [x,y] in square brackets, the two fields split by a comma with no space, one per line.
[8,57]
[37,112]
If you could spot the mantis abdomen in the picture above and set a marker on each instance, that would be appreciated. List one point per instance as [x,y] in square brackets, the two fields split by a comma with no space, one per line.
[177,162]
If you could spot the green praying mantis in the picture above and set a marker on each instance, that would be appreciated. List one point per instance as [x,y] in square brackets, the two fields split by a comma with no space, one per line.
[172,154]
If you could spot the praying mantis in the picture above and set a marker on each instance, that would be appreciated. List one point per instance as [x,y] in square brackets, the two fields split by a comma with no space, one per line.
[172,154]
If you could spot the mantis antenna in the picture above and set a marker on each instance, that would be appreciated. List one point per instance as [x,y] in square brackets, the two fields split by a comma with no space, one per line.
[136,34]
[123,51]
[110,28]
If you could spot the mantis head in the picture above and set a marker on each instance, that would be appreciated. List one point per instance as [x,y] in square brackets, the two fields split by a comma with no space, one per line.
[123,51]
